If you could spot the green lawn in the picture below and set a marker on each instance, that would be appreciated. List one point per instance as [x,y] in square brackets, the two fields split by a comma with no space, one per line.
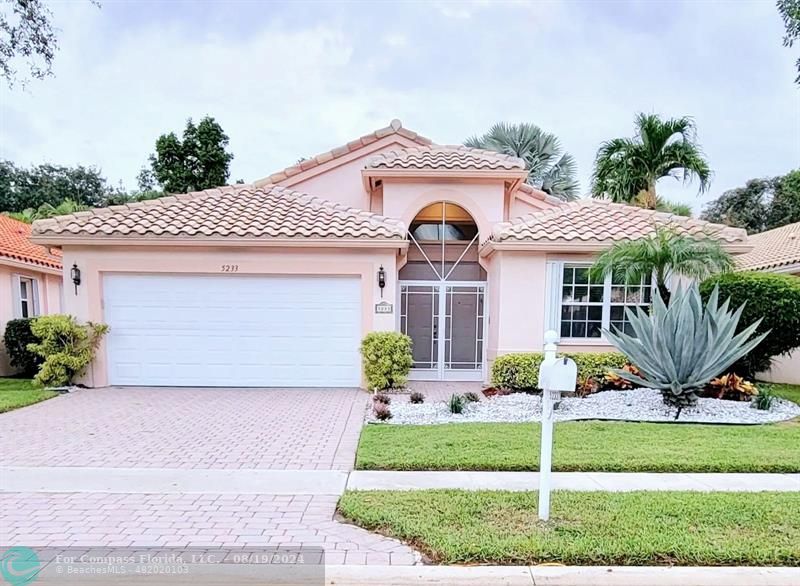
[20,392]
[791,392]
[588,528]
[583,446]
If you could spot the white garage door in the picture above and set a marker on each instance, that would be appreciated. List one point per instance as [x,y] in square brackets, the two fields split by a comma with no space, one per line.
[233,331]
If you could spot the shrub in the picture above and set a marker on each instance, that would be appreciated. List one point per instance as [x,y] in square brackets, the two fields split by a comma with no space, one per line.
[520,371]
[615,382]
[17,337]
[456,403]
[730,387]
[773,298]
[588,386]
[471,397]
[680,348]
[381,411]
[66,346]
[417,398]
[763,400]
[382,398]
[386,357]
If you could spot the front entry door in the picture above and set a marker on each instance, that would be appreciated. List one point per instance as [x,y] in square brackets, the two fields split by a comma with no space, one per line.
[446,322]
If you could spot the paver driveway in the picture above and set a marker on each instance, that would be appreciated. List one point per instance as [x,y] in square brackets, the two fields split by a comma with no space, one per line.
[297,429]
[149,428]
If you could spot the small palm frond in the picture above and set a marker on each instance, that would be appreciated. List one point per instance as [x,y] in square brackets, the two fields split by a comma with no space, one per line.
[560,180]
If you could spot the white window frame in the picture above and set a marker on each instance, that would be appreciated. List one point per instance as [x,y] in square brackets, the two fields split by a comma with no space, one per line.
[555,278]
[33,295]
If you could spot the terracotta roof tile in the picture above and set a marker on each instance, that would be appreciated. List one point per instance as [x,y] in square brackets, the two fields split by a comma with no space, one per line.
[395,127]
[15,244]
[445,157]
[243,210]
[772,249]
[603,222]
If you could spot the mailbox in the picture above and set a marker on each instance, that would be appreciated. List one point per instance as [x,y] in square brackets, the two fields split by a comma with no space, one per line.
[560,374]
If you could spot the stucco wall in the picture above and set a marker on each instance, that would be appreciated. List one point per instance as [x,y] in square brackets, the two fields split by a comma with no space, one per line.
[49,301]
[95,262]
[785,369]
[340,179]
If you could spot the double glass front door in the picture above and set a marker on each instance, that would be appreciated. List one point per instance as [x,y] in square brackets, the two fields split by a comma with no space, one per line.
[446,322]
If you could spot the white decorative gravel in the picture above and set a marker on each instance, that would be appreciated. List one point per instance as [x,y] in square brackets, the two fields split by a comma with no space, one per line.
[635,405]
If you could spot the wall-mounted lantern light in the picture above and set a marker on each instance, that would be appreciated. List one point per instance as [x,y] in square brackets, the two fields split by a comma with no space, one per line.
[75,273]
[381,279]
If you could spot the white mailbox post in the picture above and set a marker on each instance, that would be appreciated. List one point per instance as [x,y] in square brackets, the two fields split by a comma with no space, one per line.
[556,375]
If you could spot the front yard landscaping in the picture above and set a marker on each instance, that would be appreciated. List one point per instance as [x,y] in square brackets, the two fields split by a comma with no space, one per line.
[20,392]
[595,528]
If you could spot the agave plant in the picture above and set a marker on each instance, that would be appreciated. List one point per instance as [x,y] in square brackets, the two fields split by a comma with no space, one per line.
[680,348]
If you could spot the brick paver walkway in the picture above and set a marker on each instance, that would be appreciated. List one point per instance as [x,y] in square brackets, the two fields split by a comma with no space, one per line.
[275,429]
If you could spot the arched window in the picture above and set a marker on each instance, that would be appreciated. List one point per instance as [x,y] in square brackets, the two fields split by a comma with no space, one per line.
[443,221]
[444,245]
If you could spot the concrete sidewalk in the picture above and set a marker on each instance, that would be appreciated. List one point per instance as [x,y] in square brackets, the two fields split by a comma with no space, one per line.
[583,481]
[333,482]
[232,573]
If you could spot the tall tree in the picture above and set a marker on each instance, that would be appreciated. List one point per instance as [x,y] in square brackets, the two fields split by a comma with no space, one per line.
[790,13]
[762,204]
[550,168]
[627,169]
[196,161]
[665,253]
[27,39]
[22,188]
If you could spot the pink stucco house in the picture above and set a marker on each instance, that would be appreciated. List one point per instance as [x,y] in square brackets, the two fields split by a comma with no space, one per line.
[275,283]
[30,279]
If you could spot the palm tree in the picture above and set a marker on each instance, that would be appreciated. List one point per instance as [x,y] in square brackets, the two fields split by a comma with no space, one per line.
[626,169]
[46,210]
[549,168]
[660,256]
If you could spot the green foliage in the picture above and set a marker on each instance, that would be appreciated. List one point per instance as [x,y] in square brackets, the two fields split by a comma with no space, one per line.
[471,397]
[456,403]
[416,398]
[790,14]
[762,204]
[549,168]
[22,189]
[679,348]
[28,37]
[66,346]
[17,336]
[194,162]
[47,210]
[520,371]
[626,169]
[665,252]
[386,357]
[764,399]
[772,298]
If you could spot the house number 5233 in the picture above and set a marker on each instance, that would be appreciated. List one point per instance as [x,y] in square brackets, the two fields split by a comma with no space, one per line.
[230,268]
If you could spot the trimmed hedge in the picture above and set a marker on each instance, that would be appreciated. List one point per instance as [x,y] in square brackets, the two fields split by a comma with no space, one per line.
[773,297]
[386,357]
[520,371]
[17,336]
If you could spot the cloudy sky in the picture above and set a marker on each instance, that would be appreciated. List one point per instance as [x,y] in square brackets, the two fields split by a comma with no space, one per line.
[289,80]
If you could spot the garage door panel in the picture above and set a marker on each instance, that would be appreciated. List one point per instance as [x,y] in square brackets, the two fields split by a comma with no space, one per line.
[233,331]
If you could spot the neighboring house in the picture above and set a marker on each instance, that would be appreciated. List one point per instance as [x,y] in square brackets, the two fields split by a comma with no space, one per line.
[777,251]
[276,282]
[30,278]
